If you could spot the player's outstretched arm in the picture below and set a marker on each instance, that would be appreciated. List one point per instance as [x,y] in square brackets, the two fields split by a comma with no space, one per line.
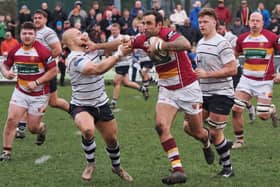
[107,46]
[106,64]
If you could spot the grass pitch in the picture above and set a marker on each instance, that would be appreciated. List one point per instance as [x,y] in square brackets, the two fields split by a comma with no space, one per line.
[60,161]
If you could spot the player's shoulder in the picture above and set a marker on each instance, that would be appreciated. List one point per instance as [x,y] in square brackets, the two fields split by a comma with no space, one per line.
[75,57]
[243,35]
[15,49]
[167,33]
[269,34]
[41,49]
[47,29]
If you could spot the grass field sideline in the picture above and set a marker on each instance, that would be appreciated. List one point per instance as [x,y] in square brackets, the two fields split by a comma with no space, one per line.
[258,164]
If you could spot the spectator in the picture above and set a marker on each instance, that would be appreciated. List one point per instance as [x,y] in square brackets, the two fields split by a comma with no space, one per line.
[3,28]
[156,5]
[96,7]
[244,13]
[274,25]
[82,12]
[24,15]
[140,15]
[179,16]
[116,15]
[77,18]
[265,14]
[95,34]
[66,25]
[11,24]
[58,14]
[194,14]
[133,30]
[223,13]
[44,7]
[276,12]
[166,21]
[137,6]
[106,23]
[125,21]
[189,32]
[59,29]
[8,44]
[90,21]
[237,28]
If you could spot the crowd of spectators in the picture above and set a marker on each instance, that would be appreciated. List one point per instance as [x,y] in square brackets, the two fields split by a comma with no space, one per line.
[97,20]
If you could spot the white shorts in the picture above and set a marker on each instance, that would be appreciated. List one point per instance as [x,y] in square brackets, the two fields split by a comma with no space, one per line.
[260,89]
[185,99]
[35,105]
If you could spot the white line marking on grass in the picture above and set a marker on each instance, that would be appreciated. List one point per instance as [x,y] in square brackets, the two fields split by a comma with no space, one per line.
[116,110]
[42,159]
[78,133]
[137,97]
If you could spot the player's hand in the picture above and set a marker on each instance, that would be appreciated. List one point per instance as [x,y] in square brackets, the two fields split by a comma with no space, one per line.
[9,74]
[276,77]
[201,73]
[31,85]
[123,50]
[90,46]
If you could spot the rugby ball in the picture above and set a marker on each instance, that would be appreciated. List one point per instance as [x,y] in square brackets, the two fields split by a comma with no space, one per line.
[159,56]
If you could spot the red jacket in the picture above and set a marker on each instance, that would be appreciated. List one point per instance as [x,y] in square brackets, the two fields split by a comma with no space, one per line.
[223,15]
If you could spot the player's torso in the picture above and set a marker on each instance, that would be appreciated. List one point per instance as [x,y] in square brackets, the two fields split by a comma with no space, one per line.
[30,66]
[208,58]
[87,90]
[258,51]
[175,73]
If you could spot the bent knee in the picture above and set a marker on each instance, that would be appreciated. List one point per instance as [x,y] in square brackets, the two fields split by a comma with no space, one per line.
[161,128]
[88,133]
[33,130]
[264,116]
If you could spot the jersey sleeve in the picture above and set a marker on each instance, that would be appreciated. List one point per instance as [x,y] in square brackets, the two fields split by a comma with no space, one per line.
[45,55]
[238,47]
[78,63]
[51,37]
[226,52]
[168,34]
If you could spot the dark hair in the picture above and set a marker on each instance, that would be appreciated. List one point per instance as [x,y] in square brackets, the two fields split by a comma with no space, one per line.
[28,25]
[208,12]
[42,12]
[159,18]
[116,25]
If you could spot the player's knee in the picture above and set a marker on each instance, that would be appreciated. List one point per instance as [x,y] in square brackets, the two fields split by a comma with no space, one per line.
[88,133]
[11,120]
[264,111]
[239,105]
[33,129]
[159,129]
[236,112]
[53,102]
[216,125]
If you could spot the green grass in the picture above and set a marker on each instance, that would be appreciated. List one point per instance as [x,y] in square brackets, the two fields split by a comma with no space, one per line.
[141,153]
